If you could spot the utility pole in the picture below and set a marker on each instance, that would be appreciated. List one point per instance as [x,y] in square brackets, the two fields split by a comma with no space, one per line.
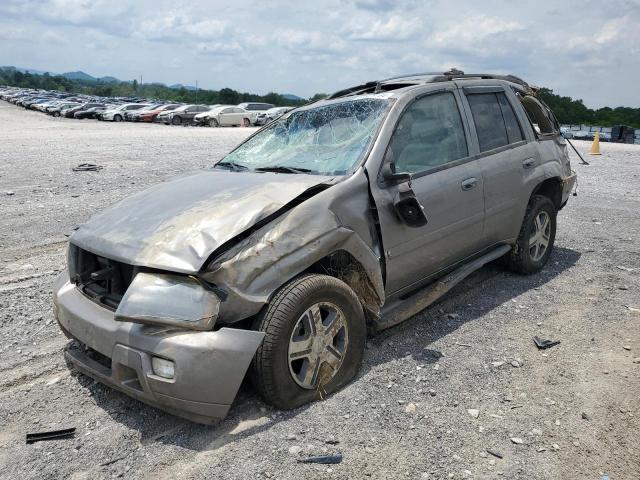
[196,91]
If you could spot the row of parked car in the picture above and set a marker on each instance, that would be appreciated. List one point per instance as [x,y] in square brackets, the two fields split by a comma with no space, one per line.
[67,105]
[617,133]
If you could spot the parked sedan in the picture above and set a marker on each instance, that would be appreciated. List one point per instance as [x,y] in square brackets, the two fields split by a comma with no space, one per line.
[203,118]
[90,112]
[132,115]
[184,115]
[117,114]
[149,115]
[70,112]
[56,109]
[231,116]
[271,114]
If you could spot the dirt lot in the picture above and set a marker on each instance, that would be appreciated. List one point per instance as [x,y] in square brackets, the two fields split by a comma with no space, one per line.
[434,394]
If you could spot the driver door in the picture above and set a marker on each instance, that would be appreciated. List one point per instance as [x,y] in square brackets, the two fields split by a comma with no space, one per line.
[431,141]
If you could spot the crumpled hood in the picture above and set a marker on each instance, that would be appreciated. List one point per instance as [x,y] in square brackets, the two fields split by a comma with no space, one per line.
[176,225]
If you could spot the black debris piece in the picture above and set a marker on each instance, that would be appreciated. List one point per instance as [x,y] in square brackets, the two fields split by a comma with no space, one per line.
[323,459]
[544,344]
[52,435]
[87,167]
[494,453]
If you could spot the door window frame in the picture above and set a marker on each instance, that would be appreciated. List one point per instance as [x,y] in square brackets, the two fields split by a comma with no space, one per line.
[478,89]
[445,166]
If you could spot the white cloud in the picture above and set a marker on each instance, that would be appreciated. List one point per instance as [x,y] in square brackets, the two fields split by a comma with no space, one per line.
[392,29]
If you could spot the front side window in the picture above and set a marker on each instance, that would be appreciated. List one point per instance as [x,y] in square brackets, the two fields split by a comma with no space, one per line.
[327,139]
[429,134]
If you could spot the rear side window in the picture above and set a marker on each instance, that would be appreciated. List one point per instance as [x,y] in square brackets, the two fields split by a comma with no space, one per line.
[541,118]
[496,123]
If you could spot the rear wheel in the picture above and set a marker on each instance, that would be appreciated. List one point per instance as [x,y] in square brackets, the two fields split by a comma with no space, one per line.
[213,122]
[537,235]
[246,122]
[314,343]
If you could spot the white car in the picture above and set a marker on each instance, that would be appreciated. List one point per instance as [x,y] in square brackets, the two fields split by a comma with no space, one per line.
[117,114]
[230,116]
[271,114]
[203,118]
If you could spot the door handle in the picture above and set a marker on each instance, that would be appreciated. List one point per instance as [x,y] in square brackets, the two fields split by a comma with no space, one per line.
[469,183]
[529,163]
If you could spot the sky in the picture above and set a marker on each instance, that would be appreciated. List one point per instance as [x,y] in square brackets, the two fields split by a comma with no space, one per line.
[584,49]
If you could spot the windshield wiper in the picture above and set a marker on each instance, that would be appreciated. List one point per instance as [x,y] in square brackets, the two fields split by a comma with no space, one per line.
[282,169]
[231,166]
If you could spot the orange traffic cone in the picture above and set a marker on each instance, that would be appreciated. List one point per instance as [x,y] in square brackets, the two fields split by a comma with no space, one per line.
[595,146]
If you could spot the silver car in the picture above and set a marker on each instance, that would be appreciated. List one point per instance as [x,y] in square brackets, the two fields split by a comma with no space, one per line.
[344,216]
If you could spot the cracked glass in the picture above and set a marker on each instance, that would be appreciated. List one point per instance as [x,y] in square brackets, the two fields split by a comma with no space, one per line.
[328,139]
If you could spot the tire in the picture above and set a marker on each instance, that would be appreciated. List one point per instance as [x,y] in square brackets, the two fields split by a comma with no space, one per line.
[56,114]
[526,258]
[246,122]
[213,122]
[117,118]
[272,371]
[176,120]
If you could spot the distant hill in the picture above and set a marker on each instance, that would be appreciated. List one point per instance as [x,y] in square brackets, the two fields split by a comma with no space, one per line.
[79,76]
[291,96]
[108,80]
[25,70]
[178,86]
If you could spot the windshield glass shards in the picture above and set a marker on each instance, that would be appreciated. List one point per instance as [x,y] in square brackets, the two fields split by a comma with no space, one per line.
[326,140]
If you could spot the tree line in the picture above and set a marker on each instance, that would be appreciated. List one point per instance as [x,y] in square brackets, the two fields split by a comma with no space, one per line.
[226,96]
[568,110]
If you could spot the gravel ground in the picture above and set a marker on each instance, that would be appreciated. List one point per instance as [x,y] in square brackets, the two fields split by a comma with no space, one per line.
[434,394]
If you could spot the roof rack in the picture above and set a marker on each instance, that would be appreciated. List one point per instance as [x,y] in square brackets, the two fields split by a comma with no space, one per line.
[423,78]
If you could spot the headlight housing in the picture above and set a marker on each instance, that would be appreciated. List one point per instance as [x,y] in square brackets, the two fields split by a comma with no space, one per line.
[166,299]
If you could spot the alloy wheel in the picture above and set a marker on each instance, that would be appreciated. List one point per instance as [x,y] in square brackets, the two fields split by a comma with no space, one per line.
[539,241]
[317,345]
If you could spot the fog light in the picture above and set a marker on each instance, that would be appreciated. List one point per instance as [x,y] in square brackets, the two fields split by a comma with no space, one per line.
[162,367]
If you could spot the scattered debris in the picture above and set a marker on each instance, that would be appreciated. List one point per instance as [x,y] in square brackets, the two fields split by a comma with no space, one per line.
[9,193]
[473,412]
[627,347]
[332,441]
[497,364]
[625,269]
[411,408]
[323,459]
[463,344]
[632,309]
[87,167]
[517,441]
[585,416]
[543,344]
[515,363]
[51,435]
[494,453]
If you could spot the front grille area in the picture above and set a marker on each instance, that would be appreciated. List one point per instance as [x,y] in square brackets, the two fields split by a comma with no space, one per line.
[103,280]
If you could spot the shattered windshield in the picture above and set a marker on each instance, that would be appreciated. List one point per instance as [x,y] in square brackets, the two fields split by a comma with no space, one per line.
[326,140]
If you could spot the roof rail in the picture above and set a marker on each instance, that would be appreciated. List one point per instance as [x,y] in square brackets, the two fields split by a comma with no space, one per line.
[430,77]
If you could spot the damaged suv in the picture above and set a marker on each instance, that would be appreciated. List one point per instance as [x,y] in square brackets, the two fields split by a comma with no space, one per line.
[342,217]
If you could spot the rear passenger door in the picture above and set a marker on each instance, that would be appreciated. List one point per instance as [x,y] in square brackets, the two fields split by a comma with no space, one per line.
[506,157]
[227,116]
[430,141]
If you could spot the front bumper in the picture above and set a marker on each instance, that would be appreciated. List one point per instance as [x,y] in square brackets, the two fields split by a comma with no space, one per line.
[209,365]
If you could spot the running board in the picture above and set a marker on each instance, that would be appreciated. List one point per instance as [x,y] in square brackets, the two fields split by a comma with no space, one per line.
[417,302]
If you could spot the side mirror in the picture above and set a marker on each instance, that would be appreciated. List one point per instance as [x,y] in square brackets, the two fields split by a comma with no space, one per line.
[408,208]
[389,174]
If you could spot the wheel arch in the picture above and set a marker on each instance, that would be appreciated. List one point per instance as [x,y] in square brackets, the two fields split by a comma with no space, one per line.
[550,188]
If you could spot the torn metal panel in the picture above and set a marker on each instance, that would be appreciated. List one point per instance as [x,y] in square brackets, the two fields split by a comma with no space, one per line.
[176,225]
[164,299]
[252,270]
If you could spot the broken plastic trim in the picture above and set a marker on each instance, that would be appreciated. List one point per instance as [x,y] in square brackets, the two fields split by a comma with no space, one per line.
[172,300]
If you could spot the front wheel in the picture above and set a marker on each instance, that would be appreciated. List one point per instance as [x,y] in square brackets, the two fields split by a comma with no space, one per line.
[315,337]
[537,235]
[117,118]
[213,122]
[176,120]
